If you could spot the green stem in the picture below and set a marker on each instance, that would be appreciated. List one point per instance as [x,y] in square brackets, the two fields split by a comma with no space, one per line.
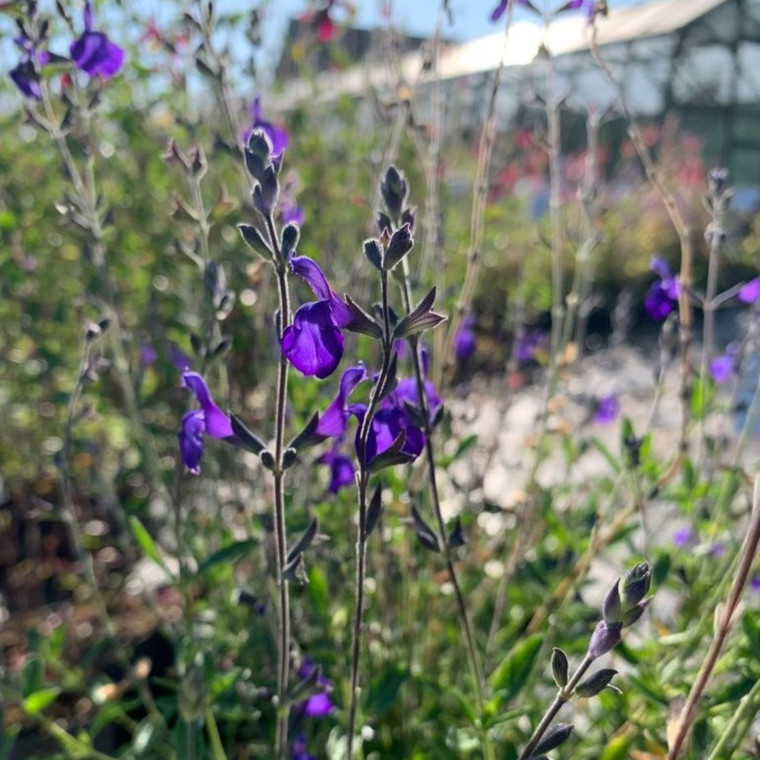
[361,539]
[213,735]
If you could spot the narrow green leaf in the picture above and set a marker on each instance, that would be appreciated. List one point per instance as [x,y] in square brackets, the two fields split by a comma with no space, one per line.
[515,669]
[228,554]
[147,544]
[39,700]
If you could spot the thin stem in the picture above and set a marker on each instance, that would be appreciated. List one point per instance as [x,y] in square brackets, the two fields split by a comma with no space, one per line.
[477,215]
[682,230]
[464,621]
[563,695]
[213,734]
[723,627]
[738,726]
[361,540]
[708,337]
[283,651]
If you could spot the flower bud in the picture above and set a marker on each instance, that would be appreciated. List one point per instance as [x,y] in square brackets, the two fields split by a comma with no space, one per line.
[394,190]
[635,585]
[635,613]
[554,737]
[612,609]
[605,637]
[559,668]
[596,682]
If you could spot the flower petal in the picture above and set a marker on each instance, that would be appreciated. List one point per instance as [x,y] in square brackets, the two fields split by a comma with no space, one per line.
[313,344]
[217,423]
[191,440]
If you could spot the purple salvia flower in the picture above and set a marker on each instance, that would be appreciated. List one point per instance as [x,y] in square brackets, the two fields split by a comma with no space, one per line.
[317,705]
[26,75]
[683,537]
[341,469]
[278,136]
[334,420]
[290,212]
[208,420]
[179,358]
[313,344]
[499,10]
[607,409]
[464,340]
[148,355]
[754,584]
[750,292]
[662,296]
[406,390]
[721,368]
[298,750]
[93,52]
[529,344]
[387,425]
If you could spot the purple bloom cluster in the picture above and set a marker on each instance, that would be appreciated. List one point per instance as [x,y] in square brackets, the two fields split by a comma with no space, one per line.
[208,420]
[662,296]
[607,409]
[92,52]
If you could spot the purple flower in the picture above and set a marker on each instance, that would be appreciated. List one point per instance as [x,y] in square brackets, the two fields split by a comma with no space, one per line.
[278,136]
[406,390]
[754,584]
[179,358]
[575,5]
[750,292]
[290,212]
[317,705]
[209,419]
[529,344]
[313,344]
[607,409]
[683,537]
[26,75]
[464,341]
[718,549]
[147,355]
[341,469]
[334,420]
[498,11]
[93,52]
[298,750]
[662,296]
[721,368]
[387,425]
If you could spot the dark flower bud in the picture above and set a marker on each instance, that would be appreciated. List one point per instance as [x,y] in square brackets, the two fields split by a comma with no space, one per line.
[635,586]
[635,613]
[612,609]
[604,638]
[560,667]
[383,224]
[400,244]
[554,737]
[596,682]
[290,235]
[198,163]
[255,239]
[267,459]
[409,217]
[265,194]
[394,190]
[374,252]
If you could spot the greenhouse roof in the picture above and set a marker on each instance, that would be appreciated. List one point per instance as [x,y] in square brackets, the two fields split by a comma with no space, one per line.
[567,34]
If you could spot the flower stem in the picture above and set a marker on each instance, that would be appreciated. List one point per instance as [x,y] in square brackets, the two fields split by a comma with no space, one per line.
[464,621]
[563,695]
[283,649]
[361,538]
[723,628]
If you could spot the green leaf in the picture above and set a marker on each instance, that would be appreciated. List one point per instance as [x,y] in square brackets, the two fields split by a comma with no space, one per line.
[383,694]
[39,700]
[147,544]
[515,669]
[616,749]
[228,554]
[751,629]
